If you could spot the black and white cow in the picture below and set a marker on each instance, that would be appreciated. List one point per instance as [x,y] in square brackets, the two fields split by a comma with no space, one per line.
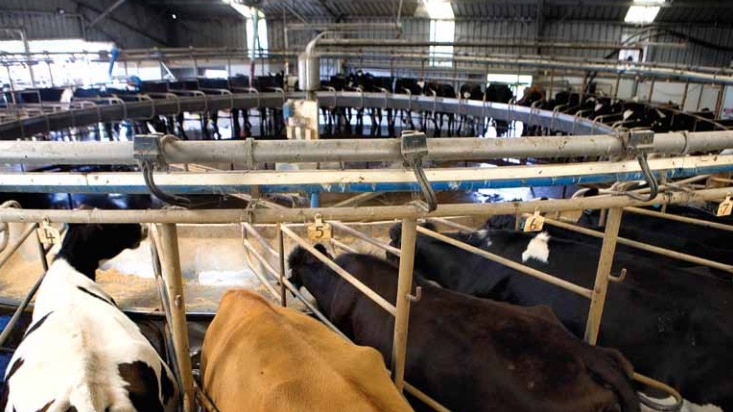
[81,352]
[671,325]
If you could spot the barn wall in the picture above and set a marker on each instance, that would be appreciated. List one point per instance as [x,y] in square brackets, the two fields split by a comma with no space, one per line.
[554,30]
[130,26]
[229,33]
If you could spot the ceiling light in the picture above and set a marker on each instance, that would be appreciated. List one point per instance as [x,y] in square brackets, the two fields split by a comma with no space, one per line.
[439,9]
[643,12]
[173,16]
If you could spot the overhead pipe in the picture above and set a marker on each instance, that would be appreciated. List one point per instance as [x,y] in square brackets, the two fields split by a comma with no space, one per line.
[354,150]
[370,180]
[343,26]
[499,43]
[298,215]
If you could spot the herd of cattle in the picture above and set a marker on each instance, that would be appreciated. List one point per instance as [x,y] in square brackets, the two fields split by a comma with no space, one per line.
[482,337]
[350,121]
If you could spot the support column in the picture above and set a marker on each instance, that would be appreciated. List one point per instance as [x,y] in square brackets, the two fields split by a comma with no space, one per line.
[404,286]
[281,257]
[598,298]
[179,329]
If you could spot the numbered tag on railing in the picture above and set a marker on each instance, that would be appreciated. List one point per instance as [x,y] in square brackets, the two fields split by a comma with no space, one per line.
[319,230]
[47,234]
[534,223]
[724,208]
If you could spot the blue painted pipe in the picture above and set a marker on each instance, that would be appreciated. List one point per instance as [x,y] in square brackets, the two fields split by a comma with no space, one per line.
[315,200]
[314,189]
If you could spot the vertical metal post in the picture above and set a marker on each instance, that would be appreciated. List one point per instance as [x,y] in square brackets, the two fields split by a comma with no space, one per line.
[42,252]
[635,87]
[50,71]
[552,85]
[174,286]
[618,85]
[719,101]
[404,286]
[699,97]
[12,85]
[281,247]
[605,262]
[651,90]
[684,96]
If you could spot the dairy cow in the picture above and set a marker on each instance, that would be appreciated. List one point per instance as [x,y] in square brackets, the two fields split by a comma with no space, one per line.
[471,354]
[260,357]
[81,352]
[672,326]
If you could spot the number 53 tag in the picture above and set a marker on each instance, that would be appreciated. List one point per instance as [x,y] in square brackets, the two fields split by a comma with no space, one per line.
[319,230]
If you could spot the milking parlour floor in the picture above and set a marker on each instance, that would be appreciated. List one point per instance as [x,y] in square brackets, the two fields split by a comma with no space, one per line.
[213,260]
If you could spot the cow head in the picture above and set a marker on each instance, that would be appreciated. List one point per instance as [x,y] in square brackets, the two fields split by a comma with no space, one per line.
[301,260]
[85,246]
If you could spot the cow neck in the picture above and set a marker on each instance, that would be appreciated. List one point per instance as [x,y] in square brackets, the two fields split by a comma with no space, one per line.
[323,284]
[80,258]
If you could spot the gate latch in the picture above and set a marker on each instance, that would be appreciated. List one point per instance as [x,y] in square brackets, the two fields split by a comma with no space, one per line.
[414,148]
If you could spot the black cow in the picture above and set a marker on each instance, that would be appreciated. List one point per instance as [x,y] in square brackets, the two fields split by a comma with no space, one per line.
[236,84]
[410,87]
[471,354]
[272,123]
[670,325]
[434,89]
[500,93]
[707,243]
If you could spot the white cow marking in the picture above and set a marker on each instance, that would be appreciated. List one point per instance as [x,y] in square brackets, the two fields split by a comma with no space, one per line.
[537,248]
[73,356]
[686,406]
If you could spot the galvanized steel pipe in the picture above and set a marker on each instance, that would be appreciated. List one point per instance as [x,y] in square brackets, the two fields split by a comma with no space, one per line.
[346,214]
[354,150]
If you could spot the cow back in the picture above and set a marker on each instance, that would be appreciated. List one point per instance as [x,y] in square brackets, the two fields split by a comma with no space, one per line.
[83,353]
[261,357]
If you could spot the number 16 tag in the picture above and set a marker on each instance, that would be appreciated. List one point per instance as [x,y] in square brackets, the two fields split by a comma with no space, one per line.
[319,230]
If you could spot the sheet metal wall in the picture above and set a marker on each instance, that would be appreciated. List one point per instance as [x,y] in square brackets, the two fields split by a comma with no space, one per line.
[211,33]
[525,29]
[130,26]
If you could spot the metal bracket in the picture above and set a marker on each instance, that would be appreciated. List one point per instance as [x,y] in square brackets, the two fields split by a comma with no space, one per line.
[639,141]
[147,148]
[147,151]
[414,148]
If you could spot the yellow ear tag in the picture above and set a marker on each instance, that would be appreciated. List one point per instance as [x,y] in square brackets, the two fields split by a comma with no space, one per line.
[534,223]
[724,208]
[48,234]
[319,230]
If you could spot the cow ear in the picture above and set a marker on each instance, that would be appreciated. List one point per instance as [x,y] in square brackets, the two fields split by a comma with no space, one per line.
[395,232]
[319,247]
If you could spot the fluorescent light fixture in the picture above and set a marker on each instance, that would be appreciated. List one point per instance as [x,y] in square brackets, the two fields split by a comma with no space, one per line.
[439,9]
[240,8]
[643,12]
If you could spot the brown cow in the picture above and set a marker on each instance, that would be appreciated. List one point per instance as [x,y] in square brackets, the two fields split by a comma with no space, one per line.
[261,357]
